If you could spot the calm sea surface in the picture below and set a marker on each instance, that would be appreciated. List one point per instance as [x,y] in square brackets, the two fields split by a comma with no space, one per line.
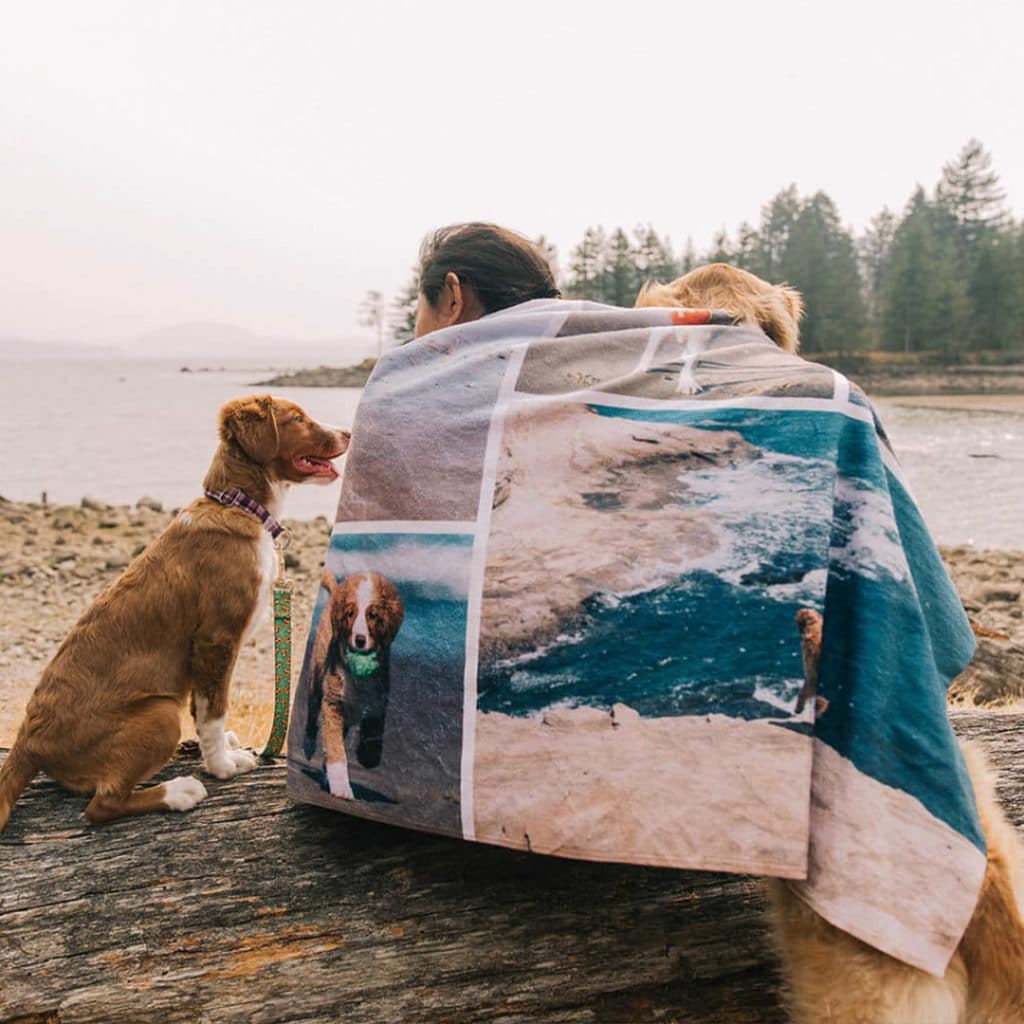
[118,430]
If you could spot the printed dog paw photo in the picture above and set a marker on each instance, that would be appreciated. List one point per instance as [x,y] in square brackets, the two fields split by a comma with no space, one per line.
[378,712]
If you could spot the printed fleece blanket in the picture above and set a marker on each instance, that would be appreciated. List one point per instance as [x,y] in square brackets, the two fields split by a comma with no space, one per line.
[638,586]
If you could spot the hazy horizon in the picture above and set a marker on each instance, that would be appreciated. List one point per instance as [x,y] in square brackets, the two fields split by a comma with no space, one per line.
[263,167]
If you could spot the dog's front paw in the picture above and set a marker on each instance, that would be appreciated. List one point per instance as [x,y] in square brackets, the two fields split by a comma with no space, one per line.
[245,760]
[231,740]
[183,793]
[226,764]
[337,781]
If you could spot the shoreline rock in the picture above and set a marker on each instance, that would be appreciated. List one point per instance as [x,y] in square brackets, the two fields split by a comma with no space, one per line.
[323,377]
[891,378]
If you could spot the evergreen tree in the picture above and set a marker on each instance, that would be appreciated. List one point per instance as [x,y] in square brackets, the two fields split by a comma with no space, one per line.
[873,250]
[925,301]
[618,285]
[721,249]
[689,260]
[970,192]
[777,218]
[587,265]
[996,291]
[550,252]
[747,253]
[402,314]
[819,259]
[970,206]
[653,259]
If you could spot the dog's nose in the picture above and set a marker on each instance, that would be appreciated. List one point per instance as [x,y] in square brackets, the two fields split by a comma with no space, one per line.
[360,640]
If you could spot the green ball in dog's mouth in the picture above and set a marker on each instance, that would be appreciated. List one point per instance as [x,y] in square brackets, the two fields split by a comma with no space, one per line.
[362,663]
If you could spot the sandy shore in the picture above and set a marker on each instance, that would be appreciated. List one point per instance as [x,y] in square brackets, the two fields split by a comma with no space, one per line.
[1008,404]
[54,560]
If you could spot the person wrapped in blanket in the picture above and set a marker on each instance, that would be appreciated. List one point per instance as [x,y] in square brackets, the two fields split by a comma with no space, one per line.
[849,952]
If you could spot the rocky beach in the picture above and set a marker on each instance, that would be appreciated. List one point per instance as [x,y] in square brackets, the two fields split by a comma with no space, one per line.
[56,559]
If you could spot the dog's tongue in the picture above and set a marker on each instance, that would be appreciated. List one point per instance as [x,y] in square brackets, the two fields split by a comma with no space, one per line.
[316,466]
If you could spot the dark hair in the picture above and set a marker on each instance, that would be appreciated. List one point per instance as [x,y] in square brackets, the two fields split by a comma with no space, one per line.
[502,267]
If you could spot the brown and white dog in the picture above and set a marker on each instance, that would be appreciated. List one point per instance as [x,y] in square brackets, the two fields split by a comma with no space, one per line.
[105,714]
[835,977]
[350,672]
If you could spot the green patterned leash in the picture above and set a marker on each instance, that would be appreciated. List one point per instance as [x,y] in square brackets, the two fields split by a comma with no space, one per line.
[282,654]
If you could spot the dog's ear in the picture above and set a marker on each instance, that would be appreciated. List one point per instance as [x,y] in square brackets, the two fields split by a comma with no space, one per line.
[395,610]
[779,314]
[794,302]
[328,582]
[322,639]
[250,423]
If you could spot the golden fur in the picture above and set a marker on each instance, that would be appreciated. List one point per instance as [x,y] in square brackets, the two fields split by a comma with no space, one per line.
[105,714]
[775,308]
[984,983]
[834,977]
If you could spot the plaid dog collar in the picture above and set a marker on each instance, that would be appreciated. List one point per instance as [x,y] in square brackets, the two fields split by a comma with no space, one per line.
[233,496]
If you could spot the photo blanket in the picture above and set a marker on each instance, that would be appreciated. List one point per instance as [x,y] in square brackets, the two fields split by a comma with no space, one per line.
[638,586]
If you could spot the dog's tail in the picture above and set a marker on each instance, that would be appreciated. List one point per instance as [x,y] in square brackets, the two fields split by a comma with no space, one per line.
[16,773]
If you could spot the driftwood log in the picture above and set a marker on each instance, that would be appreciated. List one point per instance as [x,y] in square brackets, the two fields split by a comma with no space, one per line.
[253,909]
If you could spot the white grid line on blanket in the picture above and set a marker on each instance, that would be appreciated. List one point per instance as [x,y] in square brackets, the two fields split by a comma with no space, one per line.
[615,401]
[476,584]
[841,390]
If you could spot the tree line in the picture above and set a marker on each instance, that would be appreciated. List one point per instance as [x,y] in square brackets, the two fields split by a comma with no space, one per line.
[945,276]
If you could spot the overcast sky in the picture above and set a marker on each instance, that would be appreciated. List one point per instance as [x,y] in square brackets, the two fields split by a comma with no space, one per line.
[264,164]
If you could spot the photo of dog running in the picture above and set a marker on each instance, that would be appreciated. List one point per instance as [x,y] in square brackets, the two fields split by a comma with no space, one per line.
[350,671]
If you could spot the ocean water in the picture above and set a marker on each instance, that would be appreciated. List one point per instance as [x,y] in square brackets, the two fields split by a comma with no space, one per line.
[661,653]
[116,430]
[965,470]
[119,430]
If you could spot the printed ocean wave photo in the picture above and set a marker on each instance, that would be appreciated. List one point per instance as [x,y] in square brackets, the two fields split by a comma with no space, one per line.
[667,520]
[662,653]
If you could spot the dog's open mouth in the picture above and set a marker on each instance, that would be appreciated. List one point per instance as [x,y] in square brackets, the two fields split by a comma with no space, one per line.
[316,465]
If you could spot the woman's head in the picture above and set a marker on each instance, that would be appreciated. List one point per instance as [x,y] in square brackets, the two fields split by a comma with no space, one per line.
[469,270]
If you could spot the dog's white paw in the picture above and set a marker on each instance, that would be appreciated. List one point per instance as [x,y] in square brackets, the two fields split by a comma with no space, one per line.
[183,793]
[337,781]
[226,764]
[231,740]
[245,760]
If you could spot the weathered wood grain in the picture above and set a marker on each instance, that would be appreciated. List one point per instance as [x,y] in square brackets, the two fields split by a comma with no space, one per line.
[253,909]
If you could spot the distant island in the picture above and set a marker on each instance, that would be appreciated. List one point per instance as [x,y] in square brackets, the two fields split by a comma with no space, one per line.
[323,377]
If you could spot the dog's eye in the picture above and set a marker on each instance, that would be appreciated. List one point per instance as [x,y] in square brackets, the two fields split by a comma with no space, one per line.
[297,418]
